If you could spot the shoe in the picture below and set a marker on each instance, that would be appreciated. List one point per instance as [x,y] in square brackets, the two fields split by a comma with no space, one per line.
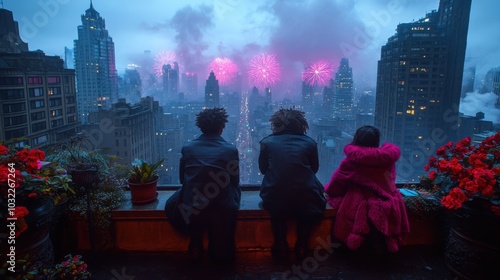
[300,250]
[280,250]
[195,253]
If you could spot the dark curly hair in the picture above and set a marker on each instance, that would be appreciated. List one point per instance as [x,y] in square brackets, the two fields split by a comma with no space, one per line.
[367,136]
[289,121]
[211,120]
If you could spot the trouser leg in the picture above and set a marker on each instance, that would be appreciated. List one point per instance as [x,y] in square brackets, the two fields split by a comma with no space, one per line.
[305,226]
[221,235]
[279,229]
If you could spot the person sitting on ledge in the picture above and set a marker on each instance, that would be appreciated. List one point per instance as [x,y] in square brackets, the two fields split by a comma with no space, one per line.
[289,161]
[363,194]
[211,194]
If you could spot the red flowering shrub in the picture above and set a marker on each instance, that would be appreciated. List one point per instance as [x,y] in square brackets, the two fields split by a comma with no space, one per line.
[23,176]
[465,172]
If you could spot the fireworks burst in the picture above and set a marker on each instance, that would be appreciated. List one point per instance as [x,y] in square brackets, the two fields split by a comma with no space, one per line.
[318,73]
[163,58]
[224,69]
[264,70]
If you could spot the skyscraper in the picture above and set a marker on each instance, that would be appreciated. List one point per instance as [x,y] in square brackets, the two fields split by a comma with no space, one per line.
[342,97]
[37,94]
[171,81]
[212,91]
[95,65]
[10,41]
[190,80]
[328,99]
[419,84]
[37,97]
[492,84]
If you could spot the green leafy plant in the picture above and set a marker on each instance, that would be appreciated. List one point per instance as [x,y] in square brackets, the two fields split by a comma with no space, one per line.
[142,172]
[109,188]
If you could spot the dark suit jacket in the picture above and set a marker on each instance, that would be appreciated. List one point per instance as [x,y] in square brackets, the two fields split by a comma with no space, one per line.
[289,163]
[209,174]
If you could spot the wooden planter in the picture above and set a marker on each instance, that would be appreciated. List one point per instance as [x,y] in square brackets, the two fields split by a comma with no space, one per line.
[473,245]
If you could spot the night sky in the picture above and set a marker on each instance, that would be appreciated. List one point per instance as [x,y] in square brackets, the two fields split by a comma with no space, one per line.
[298,32]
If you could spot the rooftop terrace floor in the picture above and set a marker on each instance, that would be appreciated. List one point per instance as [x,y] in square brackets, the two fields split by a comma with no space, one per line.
[411,263]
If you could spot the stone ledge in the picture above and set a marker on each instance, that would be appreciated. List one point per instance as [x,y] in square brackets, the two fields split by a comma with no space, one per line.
[146,228]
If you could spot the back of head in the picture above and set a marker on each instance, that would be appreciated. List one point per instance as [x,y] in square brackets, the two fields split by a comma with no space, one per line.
[289,121]
[367,136]
[211,121]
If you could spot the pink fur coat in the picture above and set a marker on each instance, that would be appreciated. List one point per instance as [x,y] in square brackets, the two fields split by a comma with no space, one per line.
[362,191]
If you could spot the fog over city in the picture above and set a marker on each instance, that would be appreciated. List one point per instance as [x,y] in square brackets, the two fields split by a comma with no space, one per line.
[298,32]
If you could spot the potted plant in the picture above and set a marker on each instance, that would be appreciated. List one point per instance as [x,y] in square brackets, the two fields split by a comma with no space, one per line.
[467,178]
[142,180]
[99,182]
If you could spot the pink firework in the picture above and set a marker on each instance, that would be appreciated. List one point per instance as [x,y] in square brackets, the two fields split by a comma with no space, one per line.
[224,69]
[318,73]
[264,70]
[163,58]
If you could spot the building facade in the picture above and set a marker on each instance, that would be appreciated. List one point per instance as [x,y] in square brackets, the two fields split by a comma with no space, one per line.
[343,94]
[492,84]
[419,83]
[38,99]
[130,131]
[95,67]
[212,91]
[171,82]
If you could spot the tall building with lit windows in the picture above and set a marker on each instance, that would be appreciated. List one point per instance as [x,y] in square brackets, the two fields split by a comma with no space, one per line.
[492,84]
[171,81]
[95,67]
[343,95]
[37,93]
[38,99]
[419,84]
[212,91]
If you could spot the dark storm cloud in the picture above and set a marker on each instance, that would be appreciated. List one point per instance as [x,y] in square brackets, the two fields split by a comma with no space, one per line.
[190,24]
[311,32]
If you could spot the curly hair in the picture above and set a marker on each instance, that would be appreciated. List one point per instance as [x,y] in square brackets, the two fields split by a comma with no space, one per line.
[289,121]
[211,120]
[367,136]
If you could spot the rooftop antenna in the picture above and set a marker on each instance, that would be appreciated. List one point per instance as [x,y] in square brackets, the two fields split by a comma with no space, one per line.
[1,3]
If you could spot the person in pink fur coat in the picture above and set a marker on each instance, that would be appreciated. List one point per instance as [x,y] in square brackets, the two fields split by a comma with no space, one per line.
[364,197]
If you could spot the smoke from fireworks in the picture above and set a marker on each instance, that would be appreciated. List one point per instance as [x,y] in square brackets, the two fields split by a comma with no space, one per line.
[318,73]
[264,70]
[163,58]
[224,69]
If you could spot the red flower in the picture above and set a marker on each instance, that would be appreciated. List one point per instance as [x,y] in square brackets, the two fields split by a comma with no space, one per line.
[469,171]
[20,212]
[432,175]
[454,199]
[3,150]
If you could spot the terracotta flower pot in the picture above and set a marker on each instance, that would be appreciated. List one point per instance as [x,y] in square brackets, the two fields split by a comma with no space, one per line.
[143,193]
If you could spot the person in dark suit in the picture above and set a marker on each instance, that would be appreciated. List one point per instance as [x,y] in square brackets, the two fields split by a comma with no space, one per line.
[289,161]
[209,174]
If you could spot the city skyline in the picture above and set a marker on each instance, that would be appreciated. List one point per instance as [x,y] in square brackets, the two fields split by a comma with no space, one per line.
[202,31]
